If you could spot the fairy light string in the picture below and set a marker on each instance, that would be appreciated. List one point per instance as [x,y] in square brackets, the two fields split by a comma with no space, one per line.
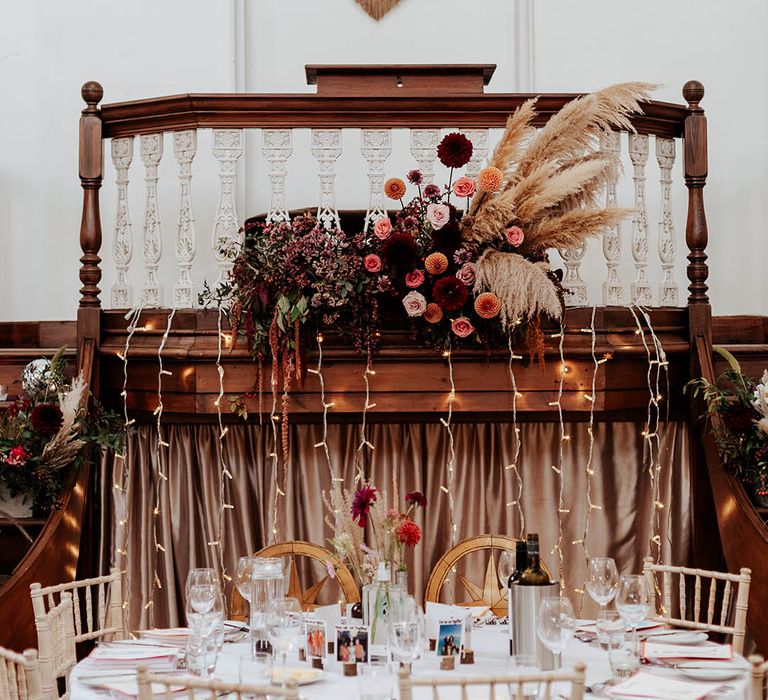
[273,455]
[368,372]
[447,488]
[318,371]
[558,467]
[513,467]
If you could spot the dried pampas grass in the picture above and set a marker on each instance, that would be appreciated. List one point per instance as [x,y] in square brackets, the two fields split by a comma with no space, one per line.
[65,445]
[524,288]
[571,228]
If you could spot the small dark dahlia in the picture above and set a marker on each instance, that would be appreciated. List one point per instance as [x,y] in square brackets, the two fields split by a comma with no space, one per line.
[455,150]
[400,250]
[432,192]
[450,293]
[46,418]
[415,176]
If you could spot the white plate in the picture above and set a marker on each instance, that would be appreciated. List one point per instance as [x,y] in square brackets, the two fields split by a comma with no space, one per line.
[685,638]
[712,674]
[302,676]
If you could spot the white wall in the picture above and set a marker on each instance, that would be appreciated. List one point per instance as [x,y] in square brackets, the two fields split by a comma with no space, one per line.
[149,47]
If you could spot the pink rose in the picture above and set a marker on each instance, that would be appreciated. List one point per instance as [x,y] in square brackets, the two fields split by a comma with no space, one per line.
[415,304]
[515,236]
[372,262]
[414,279]
[464,187]
[462,326]
[438,215]
[467,273]
[382,227]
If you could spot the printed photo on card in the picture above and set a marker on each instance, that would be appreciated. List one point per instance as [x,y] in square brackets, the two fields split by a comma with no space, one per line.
[449,638]
[317,639]
[351,644]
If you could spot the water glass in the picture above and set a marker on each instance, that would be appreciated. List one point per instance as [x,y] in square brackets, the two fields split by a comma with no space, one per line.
[376,681]
[267,584]
[256,668]
[285,628]
[623,655]
[602,580]
[523,665]
[202,651]
[608,622]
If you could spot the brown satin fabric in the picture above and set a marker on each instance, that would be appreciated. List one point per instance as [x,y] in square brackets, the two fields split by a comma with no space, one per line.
[418,453]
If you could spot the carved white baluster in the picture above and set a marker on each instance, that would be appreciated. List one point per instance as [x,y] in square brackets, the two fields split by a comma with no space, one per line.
[227,148]
[185,148]
[665,155]
[122,246]
[638,154]
[376,146]
[572,281]
[424,150]
[479,139]
[151,147]
[277,145]
[613,289]
[326,148]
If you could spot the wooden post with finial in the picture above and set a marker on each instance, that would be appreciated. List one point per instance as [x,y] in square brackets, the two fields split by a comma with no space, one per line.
[707,548]
[90,170]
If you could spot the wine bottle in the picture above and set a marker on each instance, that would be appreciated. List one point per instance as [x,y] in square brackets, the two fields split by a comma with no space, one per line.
[521,564]
[533,575]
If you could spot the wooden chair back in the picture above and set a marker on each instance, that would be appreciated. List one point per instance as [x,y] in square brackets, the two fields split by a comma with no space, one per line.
[155,685]
[548,683]
[693,617]
[489,593]
[104,621]
[20,675]
[759,676]
[56,644]
[306,595]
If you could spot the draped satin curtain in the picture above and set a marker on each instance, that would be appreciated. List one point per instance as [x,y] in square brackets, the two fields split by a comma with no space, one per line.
[157,549]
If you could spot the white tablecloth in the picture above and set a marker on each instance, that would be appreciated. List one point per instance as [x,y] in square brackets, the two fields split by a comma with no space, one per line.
[491,648]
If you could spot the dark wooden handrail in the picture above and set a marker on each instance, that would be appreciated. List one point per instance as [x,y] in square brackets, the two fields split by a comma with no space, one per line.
[489,110]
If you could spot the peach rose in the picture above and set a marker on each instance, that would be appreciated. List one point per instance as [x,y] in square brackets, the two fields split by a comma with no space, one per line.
[464,187]
[438,215]
[415,304]
[467,273]
[372,262]
[382,228]
[414,279]
[436,263]
[462,326]
[433,313]
[515,236]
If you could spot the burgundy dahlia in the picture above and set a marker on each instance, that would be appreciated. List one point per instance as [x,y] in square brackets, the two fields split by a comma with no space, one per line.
[417,498]
[400,251]
[455,150]
[46,418]
[361,504]
[447,239]
[739,418]
[431,192]
[450,292]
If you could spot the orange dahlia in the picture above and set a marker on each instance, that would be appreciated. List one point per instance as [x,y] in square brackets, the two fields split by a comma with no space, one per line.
[436,263]
[394,188]
[487,305]
[490,179]
[433,313]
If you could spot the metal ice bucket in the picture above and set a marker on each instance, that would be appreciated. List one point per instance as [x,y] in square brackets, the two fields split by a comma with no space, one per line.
[525,603]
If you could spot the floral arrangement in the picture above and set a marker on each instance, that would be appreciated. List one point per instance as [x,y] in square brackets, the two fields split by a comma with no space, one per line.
[737,407]
[352,515]
[44,432]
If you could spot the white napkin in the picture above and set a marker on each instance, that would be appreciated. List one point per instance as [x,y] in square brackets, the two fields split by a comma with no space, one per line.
[659,650]
[647,685]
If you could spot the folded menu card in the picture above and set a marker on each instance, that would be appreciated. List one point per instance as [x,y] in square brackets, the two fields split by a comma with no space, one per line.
[647,685]
[127,655]
[658,650]
[175,636]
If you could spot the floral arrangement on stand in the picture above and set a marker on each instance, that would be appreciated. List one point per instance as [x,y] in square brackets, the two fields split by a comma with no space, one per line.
[43,434]
[737,410]
[392,532]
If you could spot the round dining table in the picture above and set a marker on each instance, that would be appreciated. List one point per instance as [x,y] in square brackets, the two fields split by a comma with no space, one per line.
[491,654]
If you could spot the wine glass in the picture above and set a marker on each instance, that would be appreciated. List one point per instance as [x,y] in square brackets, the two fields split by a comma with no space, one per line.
[243,575]
[200,577]
[205,617]
[505,567]
[602,580]
[633,600]
[555,624]
[285,628]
